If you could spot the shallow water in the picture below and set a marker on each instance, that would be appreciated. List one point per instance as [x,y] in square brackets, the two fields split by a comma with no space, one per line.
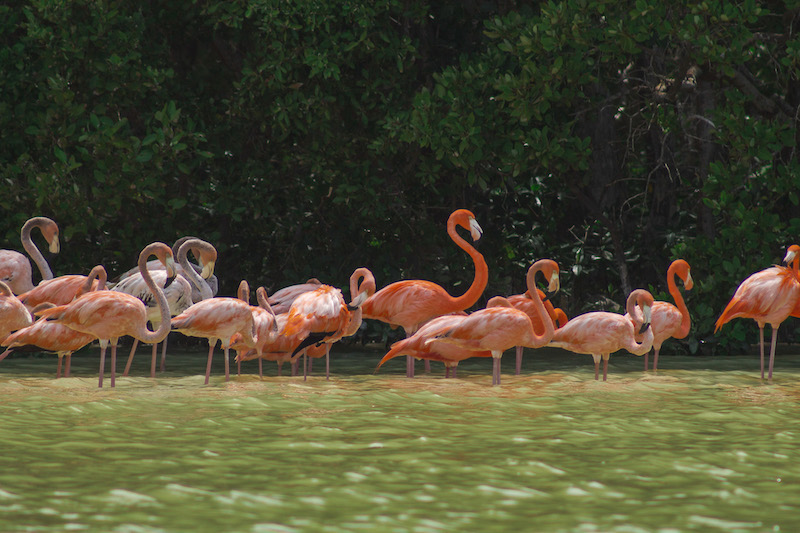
[704,445]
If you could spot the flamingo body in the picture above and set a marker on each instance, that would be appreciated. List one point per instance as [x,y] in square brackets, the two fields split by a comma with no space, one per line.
[281,300]
[15,269]
[13,314]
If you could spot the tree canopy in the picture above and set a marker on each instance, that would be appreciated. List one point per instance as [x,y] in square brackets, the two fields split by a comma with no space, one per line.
[310,138]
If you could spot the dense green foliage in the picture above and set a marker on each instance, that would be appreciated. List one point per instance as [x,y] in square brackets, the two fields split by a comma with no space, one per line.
[310,138]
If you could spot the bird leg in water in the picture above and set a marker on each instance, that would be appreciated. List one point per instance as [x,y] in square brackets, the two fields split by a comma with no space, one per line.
[596,358]
[605,365]
[69,361]
[211,344]
[130,357]
[519,360]
[227,363]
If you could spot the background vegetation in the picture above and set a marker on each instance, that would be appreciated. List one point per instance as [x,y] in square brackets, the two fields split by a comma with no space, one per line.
[310,138]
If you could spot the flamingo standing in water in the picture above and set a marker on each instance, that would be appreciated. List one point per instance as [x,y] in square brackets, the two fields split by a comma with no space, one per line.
[109,315]
[15,269]
[322,317]
[218,319]
[13,314]
[668,320]
[265,323]
[52,336]
[411,303]
[281,300]
[768,297]
[179,293]
[600,333]
[524,303]
[500,327]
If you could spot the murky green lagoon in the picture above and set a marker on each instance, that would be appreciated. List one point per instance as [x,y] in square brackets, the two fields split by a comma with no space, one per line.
[703,445]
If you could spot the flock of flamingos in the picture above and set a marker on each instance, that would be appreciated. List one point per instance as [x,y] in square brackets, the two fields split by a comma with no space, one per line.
[63,314]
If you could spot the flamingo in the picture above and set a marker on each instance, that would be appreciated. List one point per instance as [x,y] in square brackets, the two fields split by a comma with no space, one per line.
[282,299]
[322,317]
[13,314]
[411,303]
[62,290]
[667,320]
[501,326]
[266,326]
[206,255]
[600,333]
[524,303]
[52,336]
[768,297]
[109,315]
[418,347]
[179,293]
[217,319]
[15,269]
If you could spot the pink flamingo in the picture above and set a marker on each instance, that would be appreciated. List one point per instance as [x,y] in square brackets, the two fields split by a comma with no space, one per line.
[281,300]
[322,317]
[264,319]
[768,297]
[218,319]
[600,333]
[179,293]
[63,289]
[109,315]
[13,314]
[411,303]
[15,269]
[500,327]
[52,336]
[667,320]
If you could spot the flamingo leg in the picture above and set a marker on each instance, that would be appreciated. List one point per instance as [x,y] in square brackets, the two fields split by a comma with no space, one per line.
[605,366]
[427,366]
[646,363]
[58,372]
[164,354]
[113,364]
[210,356]
[761,344]
[772,351]
[596,358]
[519,360]
[130,357]
[4,354]
[495,370]
[153,359]
[655,359]
[69,360]
[261,369]
[446,372]
[103,345]
[327,361]
[227,363]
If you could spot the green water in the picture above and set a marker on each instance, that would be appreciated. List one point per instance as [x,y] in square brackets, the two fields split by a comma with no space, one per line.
[703,445]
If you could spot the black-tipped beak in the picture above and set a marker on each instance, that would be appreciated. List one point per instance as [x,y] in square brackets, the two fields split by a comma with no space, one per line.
[169,281]
[644,327]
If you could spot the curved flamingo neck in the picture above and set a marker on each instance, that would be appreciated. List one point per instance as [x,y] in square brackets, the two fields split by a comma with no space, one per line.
[97,273]
[243,293]
[544,317]
[190,273]
[33,250]
[147,336]
[686,321]
[5,290]
[481,279]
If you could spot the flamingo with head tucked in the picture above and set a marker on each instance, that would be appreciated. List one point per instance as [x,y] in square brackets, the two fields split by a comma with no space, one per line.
[600,333]
[13,314]
[411,303]
[63,289]
[768,297]
[524,303]
[501,326]
[281,300]
[15,269]
[322,317]
[109,315]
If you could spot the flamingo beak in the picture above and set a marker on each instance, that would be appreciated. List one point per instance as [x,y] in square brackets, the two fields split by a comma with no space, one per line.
[169,264]
[474,229]
[208,270]
[790,255]
[646,324]
[55,247]
[689,283]
[555,284]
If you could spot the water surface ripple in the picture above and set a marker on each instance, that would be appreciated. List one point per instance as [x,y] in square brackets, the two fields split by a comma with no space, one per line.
[704,445]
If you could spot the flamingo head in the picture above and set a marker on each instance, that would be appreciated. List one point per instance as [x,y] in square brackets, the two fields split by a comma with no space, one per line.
[465,219]
[792,254]
[362,286]
[50,232]
[644,300]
